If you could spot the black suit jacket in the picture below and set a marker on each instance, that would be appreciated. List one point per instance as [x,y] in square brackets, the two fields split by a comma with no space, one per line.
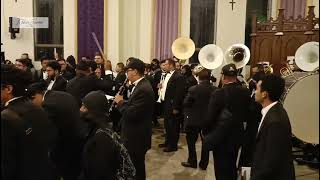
[63,111]
[273,151]
[196,104]
[175,93]
[27,137]
[236,100]
[38,75]
[60,84]
[136,121]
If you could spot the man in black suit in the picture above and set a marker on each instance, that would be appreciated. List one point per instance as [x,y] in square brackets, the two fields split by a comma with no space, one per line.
[136,121]
[27,135]
[195,111]
[55,81]
[64,71]
[272,157]
[172,97]
[228,108]
[63,111]
[41,74]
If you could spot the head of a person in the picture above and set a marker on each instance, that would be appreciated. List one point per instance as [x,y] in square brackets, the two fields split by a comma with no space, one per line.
[92,65]
[98,72]
[169,65]
[108,65]
[147,69]
[186,70]
[25,56]
[98,58]
[44,62]
[7,61]
[135,69]
[22,64]
[269,89]
[71,60]
[255,79]
[258,68]
[129,59]
[35,92]
[162,65]
[14,82]
[63,64]
[154,64]
[83,68]
[177,65]
[94,107]
[204,75]
[53,69]
[119,67]
[229,73]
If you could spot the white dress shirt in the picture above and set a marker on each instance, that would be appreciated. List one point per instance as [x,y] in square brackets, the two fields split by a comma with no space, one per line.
[51,84]
[264,111]
[8,102]
[164,84]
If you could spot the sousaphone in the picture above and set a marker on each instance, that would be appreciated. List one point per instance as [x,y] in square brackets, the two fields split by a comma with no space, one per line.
[307,56]
[183,48]
[210,56]
[238,54]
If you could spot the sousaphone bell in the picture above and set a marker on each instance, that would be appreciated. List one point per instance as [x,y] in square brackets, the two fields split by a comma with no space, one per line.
[210,56]
[238,54]
[183,48]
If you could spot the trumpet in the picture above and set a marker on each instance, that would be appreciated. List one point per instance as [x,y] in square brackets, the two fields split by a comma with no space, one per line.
[120,92]
[287,71]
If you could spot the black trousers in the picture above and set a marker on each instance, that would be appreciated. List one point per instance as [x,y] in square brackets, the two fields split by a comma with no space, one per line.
[225,163]
[172,127]
[192,137]
[138,162]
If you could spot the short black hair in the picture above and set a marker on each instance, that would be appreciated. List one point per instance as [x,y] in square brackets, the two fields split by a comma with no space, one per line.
[61,59]
[205,74]
[171,61]
[155,60]
[44,58]
[188,70]
[92,64]
[274,85]
[23,61]
[71,60]
[17,78]
[36,88]
[54,65]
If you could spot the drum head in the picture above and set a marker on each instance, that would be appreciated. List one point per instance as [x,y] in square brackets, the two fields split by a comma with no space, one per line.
[302,105]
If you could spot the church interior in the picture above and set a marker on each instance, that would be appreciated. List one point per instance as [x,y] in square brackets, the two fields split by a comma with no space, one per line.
[279,36]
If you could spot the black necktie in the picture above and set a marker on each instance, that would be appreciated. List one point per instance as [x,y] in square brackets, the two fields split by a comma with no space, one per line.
[131,87]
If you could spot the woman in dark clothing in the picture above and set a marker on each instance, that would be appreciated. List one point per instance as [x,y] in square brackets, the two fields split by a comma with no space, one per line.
[71,65]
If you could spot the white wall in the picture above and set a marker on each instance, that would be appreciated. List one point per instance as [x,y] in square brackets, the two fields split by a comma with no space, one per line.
[185,18]
[24,43]
[230,26]
[70,28]
[129,30]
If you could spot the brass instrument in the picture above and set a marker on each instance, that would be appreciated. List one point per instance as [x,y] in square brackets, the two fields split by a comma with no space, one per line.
[183,48]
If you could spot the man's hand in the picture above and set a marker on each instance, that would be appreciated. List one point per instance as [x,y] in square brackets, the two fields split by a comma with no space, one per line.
[118,98]
[175,112]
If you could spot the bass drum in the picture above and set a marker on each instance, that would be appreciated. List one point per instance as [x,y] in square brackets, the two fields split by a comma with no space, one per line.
[301,101]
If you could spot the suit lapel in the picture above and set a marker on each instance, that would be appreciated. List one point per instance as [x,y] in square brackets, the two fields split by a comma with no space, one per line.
[136,88]
[266,120]
[171,78]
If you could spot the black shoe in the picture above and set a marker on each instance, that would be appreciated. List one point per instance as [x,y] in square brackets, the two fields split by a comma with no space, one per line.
[187,164]
[167,149]
[202,167]
[162,145]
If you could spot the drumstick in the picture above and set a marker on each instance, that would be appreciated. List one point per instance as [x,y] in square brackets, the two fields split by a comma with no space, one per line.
[98,44]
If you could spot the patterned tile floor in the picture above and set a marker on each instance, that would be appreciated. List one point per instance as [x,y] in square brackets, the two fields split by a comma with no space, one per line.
[166,166]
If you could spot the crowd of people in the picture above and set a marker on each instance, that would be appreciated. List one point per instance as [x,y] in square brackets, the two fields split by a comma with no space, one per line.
[59,122]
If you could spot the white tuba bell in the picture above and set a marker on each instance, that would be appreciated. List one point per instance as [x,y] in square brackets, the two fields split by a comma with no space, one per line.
[183,48]
[307,56]
[238,54]
[211,56]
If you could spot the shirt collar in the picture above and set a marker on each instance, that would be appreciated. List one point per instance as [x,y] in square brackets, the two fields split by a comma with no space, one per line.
[8,102]
[137,81]
[265,110]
